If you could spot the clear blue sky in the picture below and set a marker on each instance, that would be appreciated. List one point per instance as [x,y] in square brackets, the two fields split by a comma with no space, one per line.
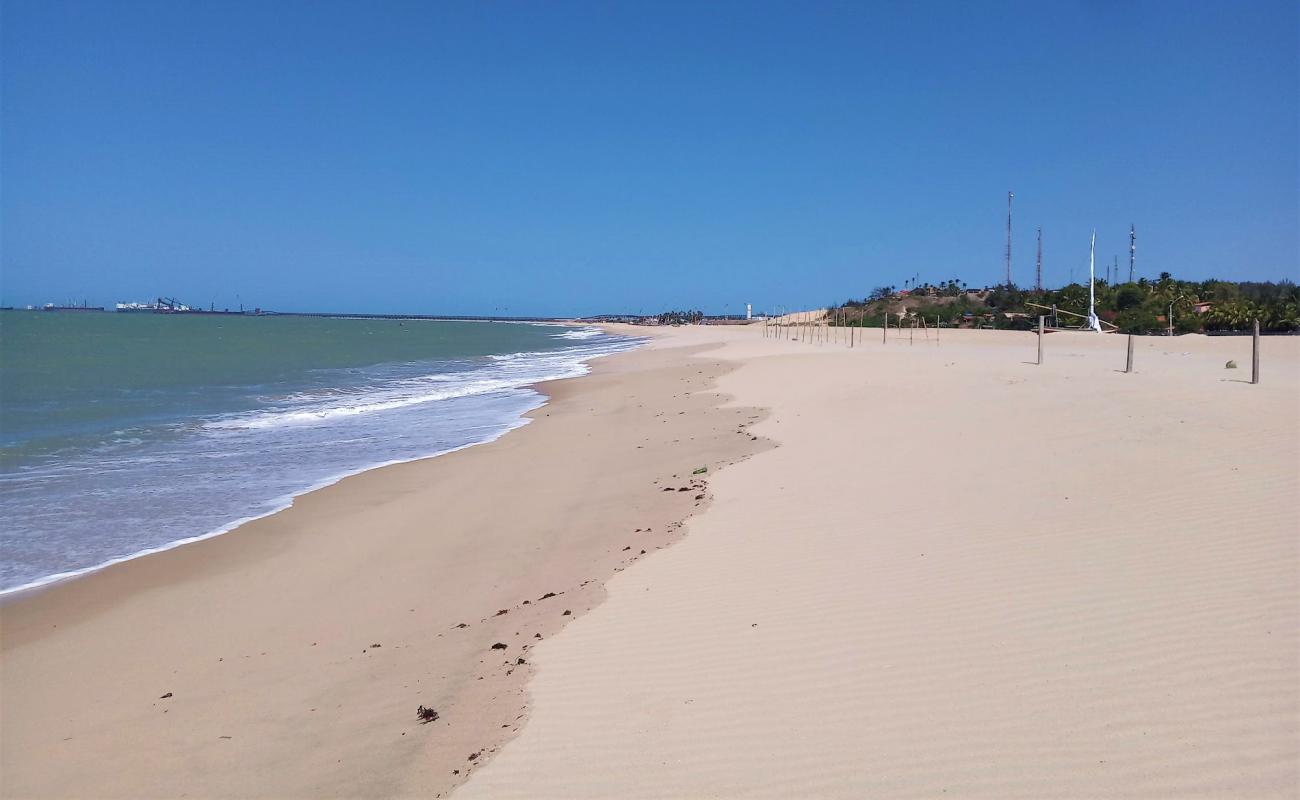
[557,158]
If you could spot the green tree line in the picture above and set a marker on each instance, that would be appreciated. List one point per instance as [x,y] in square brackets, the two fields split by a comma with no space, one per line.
[1141,306]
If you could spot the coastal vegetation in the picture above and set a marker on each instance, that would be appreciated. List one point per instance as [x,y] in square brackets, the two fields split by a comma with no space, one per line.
[680,317]
[1141,306]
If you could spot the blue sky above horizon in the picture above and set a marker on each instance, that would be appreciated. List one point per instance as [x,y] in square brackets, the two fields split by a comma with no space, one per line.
[576,158]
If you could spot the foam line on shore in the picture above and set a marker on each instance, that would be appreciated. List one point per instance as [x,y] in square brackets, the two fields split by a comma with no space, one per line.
[280,505]
[575,362]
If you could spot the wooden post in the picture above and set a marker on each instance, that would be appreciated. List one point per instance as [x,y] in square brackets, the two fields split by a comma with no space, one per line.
[884,331]
[1254,355]
[1128,367]
[936,328]
[911,333]
[1040,340]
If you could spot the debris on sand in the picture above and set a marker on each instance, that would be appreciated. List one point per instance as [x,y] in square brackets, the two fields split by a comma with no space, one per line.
[164,697]
[500,646]
[426,714]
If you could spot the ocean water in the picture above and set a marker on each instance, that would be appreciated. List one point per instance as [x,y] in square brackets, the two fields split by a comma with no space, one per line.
[125,434]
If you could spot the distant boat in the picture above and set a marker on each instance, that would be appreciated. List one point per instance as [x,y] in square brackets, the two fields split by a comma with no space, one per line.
[137,308]
[170,305]
[82,307]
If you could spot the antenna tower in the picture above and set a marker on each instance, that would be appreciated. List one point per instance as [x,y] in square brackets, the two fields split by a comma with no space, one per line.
[1009,196]
[1132,250]
[1038,274]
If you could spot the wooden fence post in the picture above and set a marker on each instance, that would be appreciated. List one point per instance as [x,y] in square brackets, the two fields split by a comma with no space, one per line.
[1040,341]
[1128,366]
[1254,355]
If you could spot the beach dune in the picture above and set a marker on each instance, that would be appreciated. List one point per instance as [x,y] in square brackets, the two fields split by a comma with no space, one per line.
[959,574]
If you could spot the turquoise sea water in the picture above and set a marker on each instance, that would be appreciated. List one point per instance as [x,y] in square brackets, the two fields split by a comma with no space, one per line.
[122,434]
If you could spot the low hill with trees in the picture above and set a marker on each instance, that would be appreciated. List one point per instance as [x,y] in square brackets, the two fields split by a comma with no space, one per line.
[1140,306]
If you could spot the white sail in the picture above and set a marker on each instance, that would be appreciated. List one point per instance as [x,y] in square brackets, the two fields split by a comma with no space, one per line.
[1094,324]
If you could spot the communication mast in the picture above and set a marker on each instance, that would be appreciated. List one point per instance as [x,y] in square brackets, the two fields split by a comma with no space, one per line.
[1038,274]
[1009,196]
[1132,250]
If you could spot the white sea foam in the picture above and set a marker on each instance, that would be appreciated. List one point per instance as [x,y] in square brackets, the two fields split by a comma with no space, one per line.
[584,333]
[206,477]
[500,373]
[278,505]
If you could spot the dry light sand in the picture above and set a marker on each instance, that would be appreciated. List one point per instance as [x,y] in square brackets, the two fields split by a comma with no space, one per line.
[939,570]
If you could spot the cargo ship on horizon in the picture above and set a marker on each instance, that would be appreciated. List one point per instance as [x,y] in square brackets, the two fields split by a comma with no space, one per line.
[71,307]
[170,305]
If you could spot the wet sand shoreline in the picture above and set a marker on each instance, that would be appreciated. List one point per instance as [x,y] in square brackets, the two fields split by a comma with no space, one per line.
[264,637]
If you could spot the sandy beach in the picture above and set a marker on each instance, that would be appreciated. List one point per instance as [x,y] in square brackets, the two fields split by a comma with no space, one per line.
[911,569]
